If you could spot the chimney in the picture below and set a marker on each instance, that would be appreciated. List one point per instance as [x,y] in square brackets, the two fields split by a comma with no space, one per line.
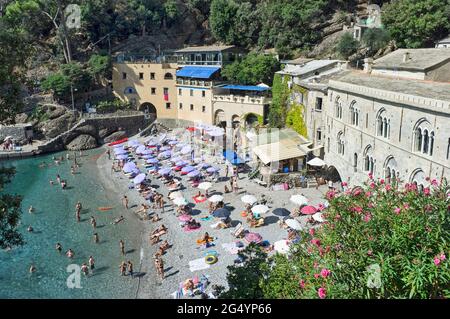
[406,57]
[368,62]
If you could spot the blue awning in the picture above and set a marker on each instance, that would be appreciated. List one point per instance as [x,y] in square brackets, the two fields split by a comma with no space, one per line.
[232,157]
[197,72]
[246,88]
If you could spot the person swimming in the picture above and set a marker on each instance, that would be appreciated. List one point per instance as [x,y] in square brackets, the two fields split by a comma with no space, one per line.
[58,247]
[70,253]
[31,209]
[30,229]
[118,220]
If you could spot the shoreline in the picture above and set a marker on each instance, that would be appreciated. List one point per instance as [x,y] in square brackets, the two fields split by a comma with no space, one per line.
[183,244]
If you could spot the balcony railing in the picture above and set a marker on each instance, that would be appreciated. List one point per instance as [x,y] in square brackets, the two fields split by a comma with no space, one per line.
[194,82]
[241,99]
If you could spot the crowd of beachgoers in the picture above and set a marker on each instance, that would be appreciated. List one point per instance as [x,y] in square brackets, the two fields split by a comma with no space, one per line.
[201,210]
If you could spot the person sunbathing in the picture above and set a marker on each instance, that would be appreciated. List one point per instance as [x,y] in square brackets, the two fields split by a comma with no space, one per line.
[193,224]
[205,239]
[155,218]
[143,209]
[161,230]
[292,234]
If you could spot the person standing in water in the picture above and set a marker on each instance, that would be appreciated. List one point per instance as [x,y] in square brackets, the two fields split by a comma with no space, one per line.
[58,179]
[70,253]
[32,269]
[125,201]
[123,268]
[92,263]
[78,206]
[85,269]
[58,247]
[122,247]
[77,214]
[130,268]
[96,239]
[93,222]
[31,209]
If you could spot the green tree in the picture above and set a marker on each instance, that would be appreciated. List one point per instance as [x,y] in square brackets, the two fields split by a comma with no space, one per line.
[417,23]
[221,19]
[347,45]
[253,69]
[14,50]
[10,213]
[99,66]
[375,39]
[280,100]
[244,281]
[58,83]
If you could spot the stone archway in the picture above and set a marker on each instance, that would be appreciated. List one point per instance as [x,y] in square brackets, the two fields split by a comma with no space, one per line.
[219,118]
[148,108]
[332,174]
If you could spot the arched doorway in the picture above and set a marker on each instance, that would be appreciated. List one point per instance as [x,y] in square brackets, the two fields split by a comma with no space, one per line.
[148,108]
[332,174]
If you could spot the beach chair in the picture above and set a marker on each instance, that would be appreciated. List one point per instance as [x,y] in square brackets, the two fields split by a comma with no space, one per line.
[238,231]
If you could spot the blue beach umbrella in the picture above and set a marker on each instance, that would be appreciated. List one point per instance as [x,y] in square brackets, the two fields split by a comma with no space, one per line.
[164,148]
[212,169]
[181,163]
[139,178]
[152,161]
[193,173]
[164,171]
[122,156]
[140,149]
[203,165]
[165,154]
[174,142]
[129,167]
[221,213]
[186,149]
[187,169]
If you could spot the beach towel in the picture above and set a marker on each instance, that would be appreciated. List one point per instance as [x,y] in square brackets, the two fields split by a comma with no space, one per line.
[206,218]
[198,264]
[232,248]
[187,229]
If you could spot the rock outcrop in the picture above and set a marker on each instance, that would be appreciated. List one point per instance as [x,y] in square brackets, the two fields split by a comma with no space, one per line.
[115,136]
[82,142]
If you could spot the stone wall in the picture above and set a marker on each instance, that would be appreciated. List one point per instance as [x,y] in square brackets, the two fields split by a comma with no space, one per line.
[19,132]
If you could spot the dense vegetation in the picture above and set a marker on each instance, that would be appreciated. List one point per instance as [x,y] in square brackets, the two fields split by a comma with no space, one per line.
[253,69]
[9,213]
[379,241]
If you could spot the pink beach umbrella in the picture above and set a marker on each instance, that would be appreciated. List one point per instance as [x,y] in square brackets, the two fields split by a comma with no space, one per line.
[253,238]
[308,210]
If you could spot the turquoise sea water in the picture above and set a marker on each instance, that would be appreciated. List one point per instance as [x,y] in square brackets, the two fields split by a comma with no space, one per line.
[54,221]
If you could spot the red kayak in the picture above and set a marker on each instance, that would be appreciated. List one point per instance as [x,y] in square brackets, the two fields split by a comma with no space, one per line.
[118,142]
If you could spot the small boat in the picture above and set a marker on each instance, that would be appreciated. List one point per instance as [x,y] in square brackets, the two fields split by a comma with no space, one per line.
[118,142]
[105,208]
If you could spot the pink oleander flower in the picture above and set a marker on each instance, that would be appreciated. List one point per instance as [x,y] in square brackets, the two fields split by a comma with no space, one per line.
[337,217]
[397,210]
[370,176]
[369,252]
[357,209]
[368,194]
[316,276]
[325,273]
[406,206]
[442,256]
[437,261]
[322,293]
[357,192]
[315,241]
[435,183]
[372,185]
[426,191]
[312,231]
[344,184]
[302,284]
[388,187]
[367,217]
[331,195]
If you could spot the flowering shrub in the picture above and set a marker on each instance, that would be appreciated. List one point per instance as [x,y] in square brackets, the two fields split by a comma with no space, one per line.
[379,241]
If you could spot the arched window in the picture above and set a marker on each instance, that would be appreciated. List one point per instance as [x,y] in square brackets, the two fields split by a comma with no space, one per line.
[368,159]
[338,107]
[423,138]
[355,160]
[390,169]
[168,76]
[352,113]
[340,143]
[383,124]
